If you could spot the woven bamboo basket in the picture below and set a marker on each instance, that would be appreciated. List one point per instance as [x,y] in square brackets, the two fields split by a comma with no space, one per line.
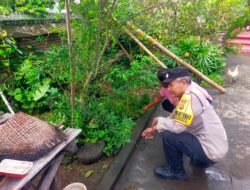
[25,137]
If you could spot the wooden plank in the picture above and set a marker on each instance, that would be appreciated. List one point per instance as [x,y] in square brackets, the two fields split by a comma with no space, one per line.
[56,183]
[50,173]
[17,184]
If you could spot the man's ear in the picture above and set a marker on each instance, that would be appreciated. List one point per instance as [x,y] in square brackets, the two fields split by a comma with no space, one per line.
[184,81]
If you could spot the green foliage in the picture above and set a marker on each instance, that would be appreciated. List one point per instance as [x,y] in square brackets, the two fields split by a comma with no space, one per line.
[110,112]
[218,78]
[57,64]
[32,7]
[141,73]
[40,85]
[4,10]
[205,56]
[33,89]
[171,21]
[32,81]
[8,48]
[238,23]
[110,95]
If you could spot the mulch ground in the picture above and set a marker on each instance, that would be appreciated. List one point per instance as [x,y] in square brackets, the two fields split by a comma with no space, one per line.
[90,175]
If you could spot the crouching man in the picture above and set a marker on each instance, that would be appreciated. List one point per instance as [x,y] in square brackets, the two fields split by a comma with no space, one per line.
[193,129]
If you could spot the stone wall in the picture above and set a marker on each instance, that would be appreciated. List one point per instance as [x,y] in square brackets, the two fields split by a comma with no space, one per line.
[35,32]
[41,42]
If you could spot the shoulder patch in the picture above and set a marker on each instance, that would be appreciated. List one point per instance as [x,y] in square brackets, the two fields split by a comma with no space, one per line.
[183,112]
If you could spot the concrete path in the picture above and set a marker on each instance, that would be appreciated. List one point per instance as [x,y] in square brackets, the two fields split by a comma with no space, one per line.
[231,174]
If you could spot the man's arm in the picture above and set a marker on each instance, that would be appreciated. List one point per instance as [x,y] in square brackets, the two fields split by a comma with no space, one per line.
[149,132]
[174,125]
[158,98]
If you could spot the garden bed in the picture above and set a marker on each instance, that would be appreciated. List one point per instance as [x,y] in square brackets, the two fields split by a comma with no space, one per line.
[106,171]
[77,172]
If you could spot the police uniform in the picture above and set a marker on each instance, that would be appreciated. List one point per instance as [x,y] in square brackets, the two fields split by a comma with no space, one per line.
[193,129]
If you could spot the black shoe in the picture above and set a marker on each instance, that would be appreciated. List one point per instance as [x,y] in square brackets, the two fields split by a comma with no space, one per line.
[166,173]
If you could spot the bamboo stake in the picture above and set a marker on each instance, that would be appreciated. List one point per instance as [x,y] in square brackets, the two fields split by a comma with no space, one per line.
[72,65]
[154,42]
[145,49]
[6,103]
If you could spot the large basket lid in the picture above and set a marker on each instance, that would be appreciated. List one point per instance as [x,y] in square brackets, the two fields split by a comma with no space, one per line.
[25,137]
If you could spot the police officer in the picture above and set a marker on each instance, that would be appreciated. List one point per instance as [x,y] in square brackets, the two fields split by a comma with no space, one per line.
[169,101]
[193,128]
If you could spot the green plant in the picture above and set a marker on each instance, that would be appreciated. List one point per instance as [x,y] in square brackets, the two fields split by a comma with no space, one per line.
[205,56]
[109,94]
[169,21]
[33,7]
[239,22]
[4,10]
[33,89]
[110,111]
[8,48]
[218,78]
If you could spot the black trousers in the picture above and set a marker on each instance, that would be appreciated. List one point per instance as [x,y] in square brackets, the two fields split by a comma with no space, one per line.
[168,106]
[175,145]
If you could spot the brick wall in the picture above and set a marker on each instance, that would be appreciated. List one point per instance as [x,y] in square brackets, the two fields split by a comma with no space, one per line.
[41,42]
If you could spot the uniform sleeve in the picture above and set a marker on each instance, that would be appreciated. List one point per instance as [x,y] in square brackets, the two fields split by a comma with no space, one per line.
[170,125]
[173,126]
[197,105]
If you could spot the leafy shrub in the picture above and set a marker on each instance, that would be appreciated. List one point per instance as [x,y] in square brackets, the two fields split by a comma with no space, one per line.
[218,78]
[33,89]
[8,49]
[4,10]
[239,22]
[205,56]
[110,112]
[107,113]
[31,7]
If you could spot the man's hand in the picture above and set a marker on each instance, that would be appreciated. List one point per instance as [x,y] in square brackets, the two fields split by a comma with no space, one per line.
[145,108]
[149,132]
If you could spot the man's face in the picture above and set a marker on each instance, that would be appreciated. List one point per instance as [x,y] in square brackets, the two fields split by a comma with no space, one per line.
[177,87]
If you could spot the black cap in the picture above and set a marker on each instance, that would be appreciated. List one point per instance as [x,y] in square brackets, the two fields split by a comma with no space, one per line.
[168,75]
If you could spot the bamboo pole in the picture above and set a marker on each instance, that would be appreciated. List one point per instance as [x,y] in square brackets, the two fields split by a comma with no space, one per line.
[145,49]
[154,42]
[72,65]
[6,103]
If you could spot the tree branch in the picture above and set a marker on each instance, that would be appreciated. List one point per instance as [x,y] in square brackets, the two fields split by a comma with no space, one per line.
[124,50]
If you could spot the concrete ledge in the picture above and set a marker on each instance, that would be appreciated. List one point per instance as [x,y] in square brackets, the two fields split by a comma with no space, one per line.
[117,166]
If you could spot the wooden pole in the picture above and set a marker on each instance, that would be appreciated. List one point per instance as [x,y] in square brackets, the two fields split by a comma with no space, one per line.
[145,49]
[72,65]
[154,42]
[6,103]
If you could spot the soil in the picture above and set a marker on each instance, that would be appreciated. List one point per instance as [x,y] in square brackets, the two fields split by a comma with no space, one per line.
[78,172]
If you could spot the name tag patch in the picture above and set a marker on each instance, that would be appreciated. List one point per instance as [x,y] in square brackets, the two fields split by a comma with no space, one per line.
[183,113]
